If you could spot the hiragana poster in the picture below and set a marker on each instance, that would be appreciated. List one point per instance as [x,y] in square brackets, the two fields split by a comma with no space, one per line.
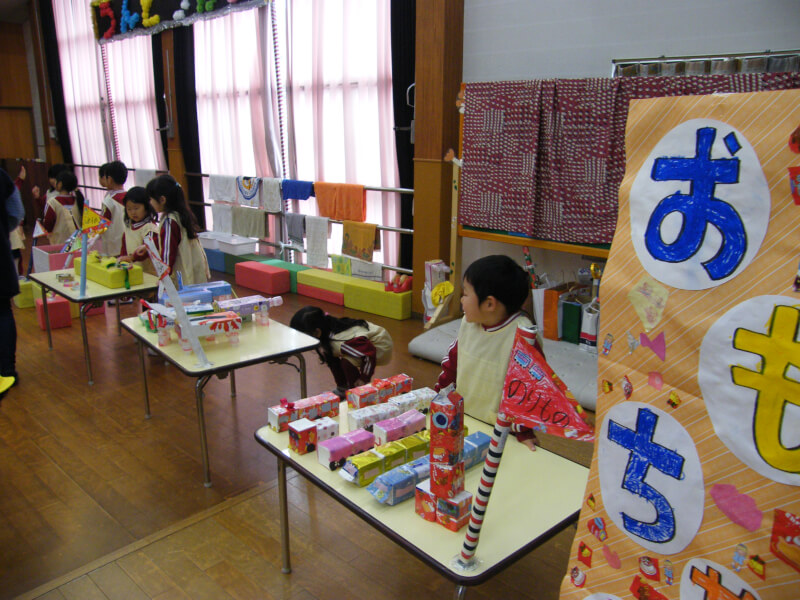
[694,488]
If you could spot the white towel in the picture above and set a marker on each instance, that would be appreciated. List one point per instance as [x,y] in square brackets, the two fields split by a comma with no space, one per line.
[271,194]
[223,219]
[317,241]
[222,188]
[142,177]
[366,270]
[248,191]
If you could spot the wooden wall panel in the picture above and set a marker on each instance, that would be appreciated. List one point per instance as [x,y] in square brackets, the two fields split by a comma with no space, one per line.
[17,139]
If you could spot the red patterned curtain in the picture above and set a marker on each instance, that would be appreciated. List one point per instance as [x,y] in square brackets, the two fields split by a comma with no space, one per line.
[545,158]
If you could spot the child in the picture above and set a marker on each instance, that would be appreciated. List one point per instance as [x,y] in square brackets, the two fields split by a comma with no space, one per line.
[177,231]
[494,289]
[140,219]
[350,347]
[63,212]
[112,176]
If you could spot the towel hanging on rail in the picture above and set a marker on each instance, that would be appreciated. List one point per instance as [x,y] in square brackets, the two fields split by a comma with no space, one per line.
[358,239]
[222,188]
[317,237]
[248,191]
[296,228]
[292,189]
[341,201]
[271,194]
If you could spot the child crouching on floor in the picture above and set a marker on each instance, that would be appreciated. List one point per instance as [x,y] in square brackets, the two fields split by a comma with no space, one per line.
[351,348]
[494,290]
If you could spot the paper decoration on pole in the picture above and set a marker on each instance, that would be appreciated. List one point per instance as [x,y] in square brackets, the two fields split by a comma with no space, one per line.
[534,396]
[92,222]
[162,271]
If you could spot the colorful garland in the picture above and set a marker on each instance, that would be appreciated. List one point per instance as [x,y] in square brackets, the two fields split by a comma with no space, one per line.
[128,20]
[107,11]
[147,20]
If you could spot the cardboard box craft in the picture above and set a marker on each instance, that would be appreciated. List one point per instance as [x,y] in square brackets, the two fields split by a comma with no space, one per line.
[447,480]
[398,484]
[364,395]
[303,436]
[366,417]
[425,501]
[363,468]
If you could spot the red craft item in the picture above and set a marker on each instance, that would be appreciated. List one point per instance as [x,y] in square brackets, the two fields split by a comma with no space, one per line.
[534,396]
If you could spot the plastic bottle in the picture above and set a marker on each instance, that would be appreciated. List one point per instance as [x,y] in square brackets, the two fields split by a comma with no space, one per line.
[262,316]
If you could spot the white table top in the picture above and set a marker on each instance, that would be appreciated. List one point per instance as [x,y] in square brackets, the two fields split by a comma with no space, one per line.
[94,290]
[257,343]
[534,493]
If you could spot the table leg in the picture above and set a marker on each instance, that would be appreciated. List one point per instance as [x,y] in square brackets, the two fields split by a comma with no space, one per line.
[46,318]
[83,309]
[302,361]
[144,380]
[461,592]
[119,321]
[201,421]
[284,509]
[233,384]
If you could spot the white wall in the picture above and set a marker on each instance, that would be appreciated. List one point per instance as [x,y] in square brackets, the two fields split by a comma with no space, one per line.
[540,39]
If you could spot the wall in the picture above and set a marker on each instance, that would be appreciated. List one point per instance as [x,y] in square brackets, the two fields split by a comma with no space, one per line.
[540,39]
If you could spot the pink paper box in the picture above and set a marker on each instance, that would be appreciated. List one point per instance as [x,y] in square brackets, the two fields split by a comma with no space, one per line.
[50,257]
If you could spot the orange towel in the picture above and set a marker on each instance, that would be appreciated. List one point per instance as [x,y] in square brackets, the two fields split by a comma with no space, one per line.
[358,240]
[341,201]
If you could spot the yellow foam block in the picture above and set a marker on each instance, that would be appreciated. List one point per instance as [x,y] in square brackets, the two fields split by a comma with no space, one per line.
[325,280]
[370,296]
[98,269]
[25,297]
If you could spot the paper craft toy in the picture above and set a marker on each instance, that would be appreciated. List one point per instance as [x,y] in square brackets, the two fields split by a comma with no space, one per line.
[321,405]
[334,452]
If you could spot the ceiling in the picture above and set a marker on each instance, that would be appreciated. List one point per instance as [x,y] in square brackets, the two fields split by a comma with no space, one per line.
[14,11]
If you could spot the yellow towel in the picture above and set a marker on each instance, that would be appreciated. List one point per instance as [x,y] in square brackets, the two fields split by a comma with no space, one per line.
[358,240]
[341,201]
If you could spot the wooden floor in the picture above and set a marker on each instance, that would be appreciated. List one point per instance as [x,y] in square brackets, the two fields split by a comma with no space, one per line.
[97,502]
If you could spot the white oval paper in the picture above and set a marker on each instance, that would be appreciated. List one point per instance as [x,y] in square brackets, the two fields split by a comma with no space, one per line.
[750,198]
[685,494]
[730,406]
[730,580]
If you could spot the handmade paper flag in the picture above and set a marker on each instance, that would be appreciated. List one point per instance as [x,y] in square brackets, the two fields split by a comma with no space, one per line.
[534,396]
[92,222]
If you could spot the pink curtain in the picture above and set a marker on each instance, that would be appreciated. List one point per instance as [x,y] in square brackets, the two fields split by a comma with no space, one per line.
[132,99]
[338,91]
[235,98]
[82,82]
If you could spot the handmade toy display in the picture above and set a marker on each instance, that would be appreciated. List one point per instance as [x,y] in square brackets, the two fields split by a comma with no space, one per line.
[255,307]
[302,436]
[361,469]
[398,484]
[443,498]
[208,326]
[366,417]
[107,271]
[420,399]
[334,452]
[205,293]
[321,405]
[361,396]
[398,427]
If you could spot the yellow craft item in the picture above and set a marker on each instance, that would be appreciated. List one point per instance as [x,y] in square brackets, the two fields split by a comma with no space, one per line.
[440,291]
[102,271]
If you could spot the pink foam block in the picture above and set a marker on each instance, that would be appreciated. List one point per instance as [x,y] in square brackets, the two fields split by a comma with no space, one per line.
[262,277]
[57,310]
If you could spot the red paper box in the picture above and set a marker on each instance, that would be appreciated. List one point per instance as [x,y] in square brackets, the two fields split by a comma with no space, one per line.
[446,448]
[402,383]
[364,395]
[447,414]
[302,436]
[385,389]
[424,501]
[453,524]
[57,311]
[447,481]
